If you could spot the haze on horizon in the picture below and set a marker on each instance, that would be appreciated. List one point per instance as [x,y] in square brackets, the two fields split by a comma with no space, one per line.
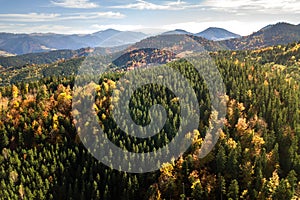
[150,16]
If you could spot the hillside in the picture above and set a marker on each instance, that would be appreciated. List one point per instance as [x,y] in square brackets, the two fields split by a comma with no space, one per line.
[66,62]
[256,157]
[280,33]
[42,58]
[52,56]
[161,41]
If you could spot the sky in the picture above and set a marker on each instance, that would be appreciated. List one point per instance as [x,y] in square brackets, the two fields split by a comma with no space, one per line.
[150,16]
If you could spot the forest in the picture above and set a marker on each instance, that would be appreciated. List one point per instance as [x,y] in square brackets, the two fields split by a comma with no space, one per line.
[256,157]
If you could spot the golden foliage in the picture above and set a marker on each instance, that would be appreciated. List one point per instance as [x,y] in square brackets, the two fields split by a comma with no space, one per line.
[55,122]
[15,91]
[273,184]
[231,143]
[167,169]
[257,141]
[195,183]
[241,126]
[13,176]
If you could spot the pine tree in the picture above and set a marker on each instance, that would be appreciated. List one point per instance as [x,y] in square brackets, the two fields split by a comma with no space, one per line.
[233,190]
[221,160]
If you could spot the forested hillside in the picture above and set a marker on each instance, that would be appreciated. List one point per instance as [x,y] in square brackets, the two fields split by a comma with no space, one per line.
[256,157]
[42,58]
[277,34]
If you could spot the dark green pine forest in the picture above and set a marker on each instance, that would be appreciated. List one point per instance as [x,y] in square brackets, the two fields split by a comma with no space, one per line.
[256,157]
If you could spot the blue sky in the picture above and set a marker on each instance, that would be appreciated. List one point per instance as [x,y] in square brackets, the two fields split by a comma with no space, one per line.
[87,16]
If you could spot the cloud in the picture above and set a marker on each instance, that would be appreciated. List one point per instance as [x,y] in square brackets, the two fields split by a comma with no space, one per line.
[225,5]
[30,17]
[75,4]
[43,17]
[144,5]
[272,7]
[93,15]
[230,6]
[239,7]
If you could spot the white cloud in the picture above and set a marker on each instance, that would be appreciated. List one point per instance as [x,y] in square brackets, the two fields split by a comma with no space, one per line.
[144,5]
[74,4]
[272,7]
[231,6]
[30,17]
[239,7]
[43,17]
[92,15]
[110,14]
[141,5]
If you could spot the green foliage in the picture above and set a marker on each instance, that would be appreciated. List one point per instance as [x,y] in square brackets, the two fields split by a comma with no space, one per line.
[256,157]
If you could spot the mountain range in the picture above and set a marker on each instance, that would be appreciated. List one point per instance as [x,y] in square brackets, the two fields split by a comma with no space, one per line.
[212,33]
[17,44]
[38,42]
[214,39]
[271,35]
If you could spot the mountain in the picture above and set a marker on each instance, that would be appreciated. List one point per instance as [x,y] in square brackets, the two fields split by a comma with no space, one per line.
[122,38]
[217,34]
[280,33]
[168,41]
[106,33]
[17,44]
[177,32]
[52,56]
[214,34]
[39,42]
[43,57]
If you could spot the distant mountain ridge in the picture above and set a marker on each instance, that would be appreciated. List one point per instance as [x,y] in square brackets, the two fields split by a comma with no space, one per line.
[217,34]
[16,44]
[211,33]
[177,32]
[273,34]
[39,42]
